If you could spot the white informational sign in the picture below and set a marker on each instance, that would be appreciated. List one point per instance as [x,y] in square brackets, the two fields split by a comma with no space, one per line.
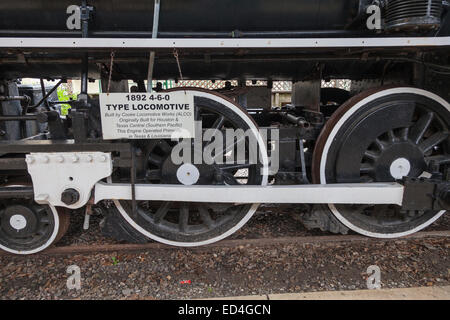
[147,115]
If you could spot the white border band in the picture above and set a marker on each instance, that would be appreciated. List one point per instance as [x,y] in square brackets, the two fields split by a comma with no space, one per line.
[137,43]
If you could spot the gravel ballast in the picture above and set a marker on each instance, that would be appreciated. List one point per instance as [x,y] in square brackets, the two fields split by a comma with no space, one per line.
[182,273]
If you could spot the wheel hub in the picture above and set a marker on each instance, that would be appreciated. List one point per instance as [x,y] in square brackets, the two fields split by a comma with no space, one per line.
[18,222]
[400,168]
[188,174]
[399,160]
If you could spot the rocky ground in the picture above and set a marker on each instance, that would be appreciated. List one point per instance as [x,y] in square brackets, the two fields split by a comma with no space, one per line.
[217,272]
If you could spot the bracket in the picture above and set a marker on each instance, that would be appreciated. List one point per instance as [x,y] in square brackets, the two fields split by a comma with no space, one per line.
[58,173]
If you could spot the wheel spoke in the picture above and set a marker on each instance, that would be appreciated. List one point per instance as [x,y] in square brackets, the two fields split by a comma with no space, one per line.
[432,141]
[206,217]
[420,127]
[45,220]
[143,213]
[404,134]
[229,178]
[162,211]
[155,159]
[380,145]
[439,159]
[40,233]
[366,168]
[229,147]
[218,124]
[379,212]
[366,179]
[371,155]
[234,166]
[391,136]
[183,218]
[153,174]
[359,209]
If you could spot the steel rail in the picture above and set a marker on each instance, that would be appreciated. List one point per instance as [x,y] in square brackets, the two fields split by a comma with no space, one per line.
[232,243]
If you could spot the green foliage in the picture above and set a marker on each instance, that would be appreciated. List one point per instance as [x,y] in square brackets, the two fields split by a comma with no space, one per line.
[63,95]
[115,261]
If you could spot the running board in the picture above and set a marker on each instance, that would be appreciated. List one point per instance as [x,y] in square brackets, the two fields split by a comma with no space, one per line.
[211,43]
[353,193]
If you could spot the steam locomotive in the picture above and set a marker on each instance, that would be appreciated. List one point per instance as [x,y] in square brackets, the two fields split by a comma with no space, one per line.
[373,159]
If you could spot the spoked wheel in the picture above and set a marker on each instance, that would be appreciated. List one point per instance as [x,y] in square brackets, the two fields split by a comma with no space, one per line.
[380,136]
[194,224]
[27,227]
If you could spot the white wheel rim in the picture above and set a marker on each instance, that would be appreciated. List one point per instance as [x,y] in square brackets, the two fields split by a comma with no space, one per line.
[333,134]
[253,208]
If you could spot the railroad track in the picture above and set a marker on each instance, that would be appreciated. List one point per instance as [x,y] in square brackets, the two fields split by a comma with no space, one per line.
[261,242]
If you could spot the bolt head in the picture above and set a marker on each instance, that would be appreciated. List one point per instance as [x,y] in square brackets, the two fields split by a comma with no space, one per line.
[29,160]
[70,196]
[42,197]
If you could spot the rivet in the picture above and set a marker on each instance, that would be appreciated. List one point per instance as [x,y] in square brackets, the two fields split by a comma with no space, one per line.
[42,197]
[60,159]
[75,158]
[103,158]
[89,158]
[45,159]
[29,160]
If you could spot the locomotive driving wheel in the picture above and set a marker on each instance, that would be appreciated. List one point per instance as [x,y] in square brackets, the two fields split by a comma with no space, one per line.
[194,224]
[380,136]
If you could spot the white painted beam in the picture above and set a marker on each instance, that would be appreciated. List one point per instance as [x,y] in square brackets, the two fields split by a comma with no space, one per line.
[135,43]
[358,193]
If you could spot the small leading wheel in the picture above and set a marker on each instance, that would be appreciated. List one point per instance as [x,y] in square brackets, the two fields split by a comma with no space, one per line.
[380,136]
[195,224]
[27,228]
